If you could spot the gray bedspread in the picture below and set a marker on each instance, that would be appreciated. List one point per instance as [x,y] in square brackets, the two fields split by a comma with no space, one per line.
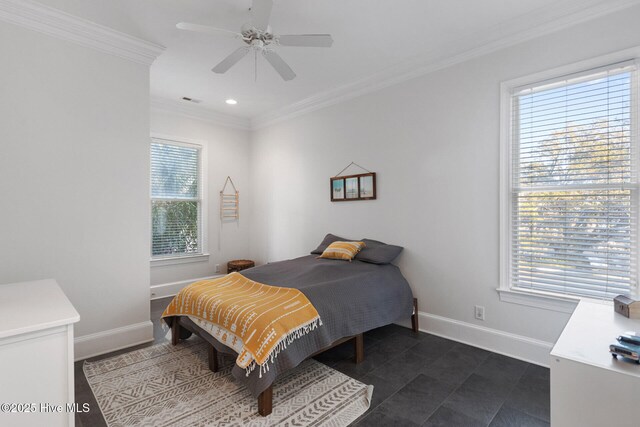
[351,298]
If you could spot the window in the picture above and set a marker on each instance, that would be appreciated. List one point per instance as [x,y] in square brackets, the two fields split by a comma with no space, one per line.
[176,199]
[569,184]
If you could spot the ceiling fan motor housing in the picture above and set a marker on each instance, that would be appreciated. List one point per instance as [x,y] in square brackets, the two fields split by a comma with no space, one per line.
[251,35]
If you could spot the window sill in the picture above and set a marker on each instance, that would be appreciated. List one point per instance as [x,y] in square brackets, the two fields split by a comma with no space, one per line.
[184,259]
[547,301]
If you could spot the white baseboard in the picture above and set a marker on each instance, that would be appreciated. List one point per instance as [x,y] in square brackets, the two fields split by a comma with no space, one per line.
[517,346]
[114,339]
[170,289]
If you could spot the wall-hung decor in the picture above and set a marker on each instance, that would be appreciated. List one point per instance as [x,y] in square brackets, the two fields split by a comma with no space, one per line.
[337,189]
[368,186]
[229,201]
[353,187]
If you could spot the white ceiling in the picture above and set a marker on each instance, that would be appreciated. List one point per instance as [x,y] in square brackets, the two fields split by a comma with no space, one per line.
[370,37]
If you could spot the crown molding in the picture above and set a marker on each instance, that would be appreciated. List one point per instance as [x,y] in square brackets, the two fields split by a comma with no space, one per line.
[201,113]
[53,22]
[545,21]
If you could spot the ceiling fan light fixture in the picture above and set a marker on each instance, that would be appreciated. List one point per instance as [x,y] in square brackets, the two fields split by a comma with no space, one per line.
[231,101]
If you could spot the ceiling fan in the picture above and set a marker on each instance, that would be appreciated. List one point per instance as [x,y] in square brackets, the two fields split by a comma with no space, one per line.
[259,38]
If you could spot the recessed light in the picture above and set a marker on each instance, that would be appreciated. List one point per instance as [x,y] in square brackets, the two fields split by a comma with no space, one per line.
[231,101]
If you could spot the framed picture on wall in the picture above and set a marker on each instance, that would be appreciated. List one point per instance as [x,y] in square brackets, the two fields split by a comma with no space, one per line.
[353,187]
[337,189]
[351,190]
[367,187]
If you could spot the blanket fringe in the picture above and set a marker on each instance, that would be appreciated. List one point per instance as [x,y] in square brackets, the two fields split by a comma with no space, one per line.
[282,345]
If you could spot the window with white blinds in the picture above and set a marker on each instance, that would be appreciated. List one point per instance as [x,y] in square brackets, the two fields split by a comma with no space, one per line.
[176,199]
[573,189]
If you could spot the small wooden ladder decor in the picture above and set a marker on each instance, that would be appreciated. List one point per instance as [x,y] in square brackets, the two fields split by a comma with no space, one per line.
[229,202]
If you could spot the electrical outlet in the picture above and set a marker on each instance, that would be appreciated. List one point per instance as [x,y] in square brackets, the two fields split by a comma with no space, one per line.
[217,268]
[479,312]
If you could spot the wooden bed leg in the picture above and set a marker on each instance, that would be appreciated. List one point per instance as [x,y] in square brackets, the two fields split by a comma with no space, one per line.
[213,359]
[175,331]
[265,402]
[359,347]
[414,317]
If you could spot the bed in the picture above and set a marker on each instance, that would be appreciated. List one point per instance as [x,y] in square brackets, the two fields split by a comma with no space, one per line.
[350,297]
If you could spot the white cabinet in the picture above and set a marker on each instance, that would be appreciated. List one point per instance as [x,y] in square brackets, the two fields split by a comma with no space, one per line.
[588,386]
[36,354]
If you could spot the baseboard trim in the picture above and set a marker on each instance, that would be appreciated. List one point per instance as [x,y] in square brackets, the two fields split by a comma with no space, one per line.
[171,289]
[113,339]
[517,346]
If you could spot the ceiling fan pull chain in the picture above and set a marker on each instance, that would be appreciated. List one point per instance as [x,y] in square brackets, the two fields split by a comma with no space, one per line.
[255,55]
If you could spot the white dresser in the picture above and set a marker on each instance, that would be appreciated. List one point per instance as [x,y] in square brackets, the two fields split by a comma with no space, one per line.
[36,354]
[588,386]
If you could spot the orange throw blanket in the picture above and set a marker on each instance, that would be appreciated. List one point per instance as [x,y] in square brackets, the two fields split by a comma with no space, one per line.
[255,320]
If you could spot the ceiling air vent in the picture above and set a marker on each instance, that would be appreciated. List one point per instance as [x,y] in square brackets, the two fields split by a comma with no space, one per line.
[195,101]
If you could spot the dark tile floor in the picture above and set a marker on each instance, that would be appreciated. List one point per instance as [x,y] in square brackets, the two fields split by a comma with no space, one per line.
[419,380]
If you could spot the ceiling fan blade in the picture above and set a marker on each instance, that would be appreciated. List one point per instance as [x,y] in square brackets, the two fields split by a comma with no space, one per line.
[205,29]
[307,40]
[261,11]
[231,60]
[279,65]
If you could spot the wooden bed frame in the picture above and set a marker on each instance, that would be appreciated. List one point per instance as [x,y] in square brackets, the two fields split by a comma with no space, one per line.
[265,399]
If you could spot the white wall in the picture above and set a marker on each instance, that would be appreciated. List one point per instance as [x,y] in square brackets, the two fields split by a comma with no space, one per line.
[228,155]
[74,176]
[434,142]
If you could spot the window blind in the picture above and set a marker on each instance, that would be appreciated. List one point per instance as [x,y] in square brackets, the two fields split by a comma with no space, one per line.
[574,184]
[175,199]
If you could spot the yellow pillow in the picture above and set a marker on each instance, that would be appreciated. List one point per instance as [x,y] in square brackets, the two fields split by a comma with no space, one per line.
[342,250]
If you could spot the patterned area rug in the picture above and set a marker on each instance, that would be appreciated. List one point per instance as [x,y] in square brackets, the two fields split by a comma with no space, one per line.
[165,385]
